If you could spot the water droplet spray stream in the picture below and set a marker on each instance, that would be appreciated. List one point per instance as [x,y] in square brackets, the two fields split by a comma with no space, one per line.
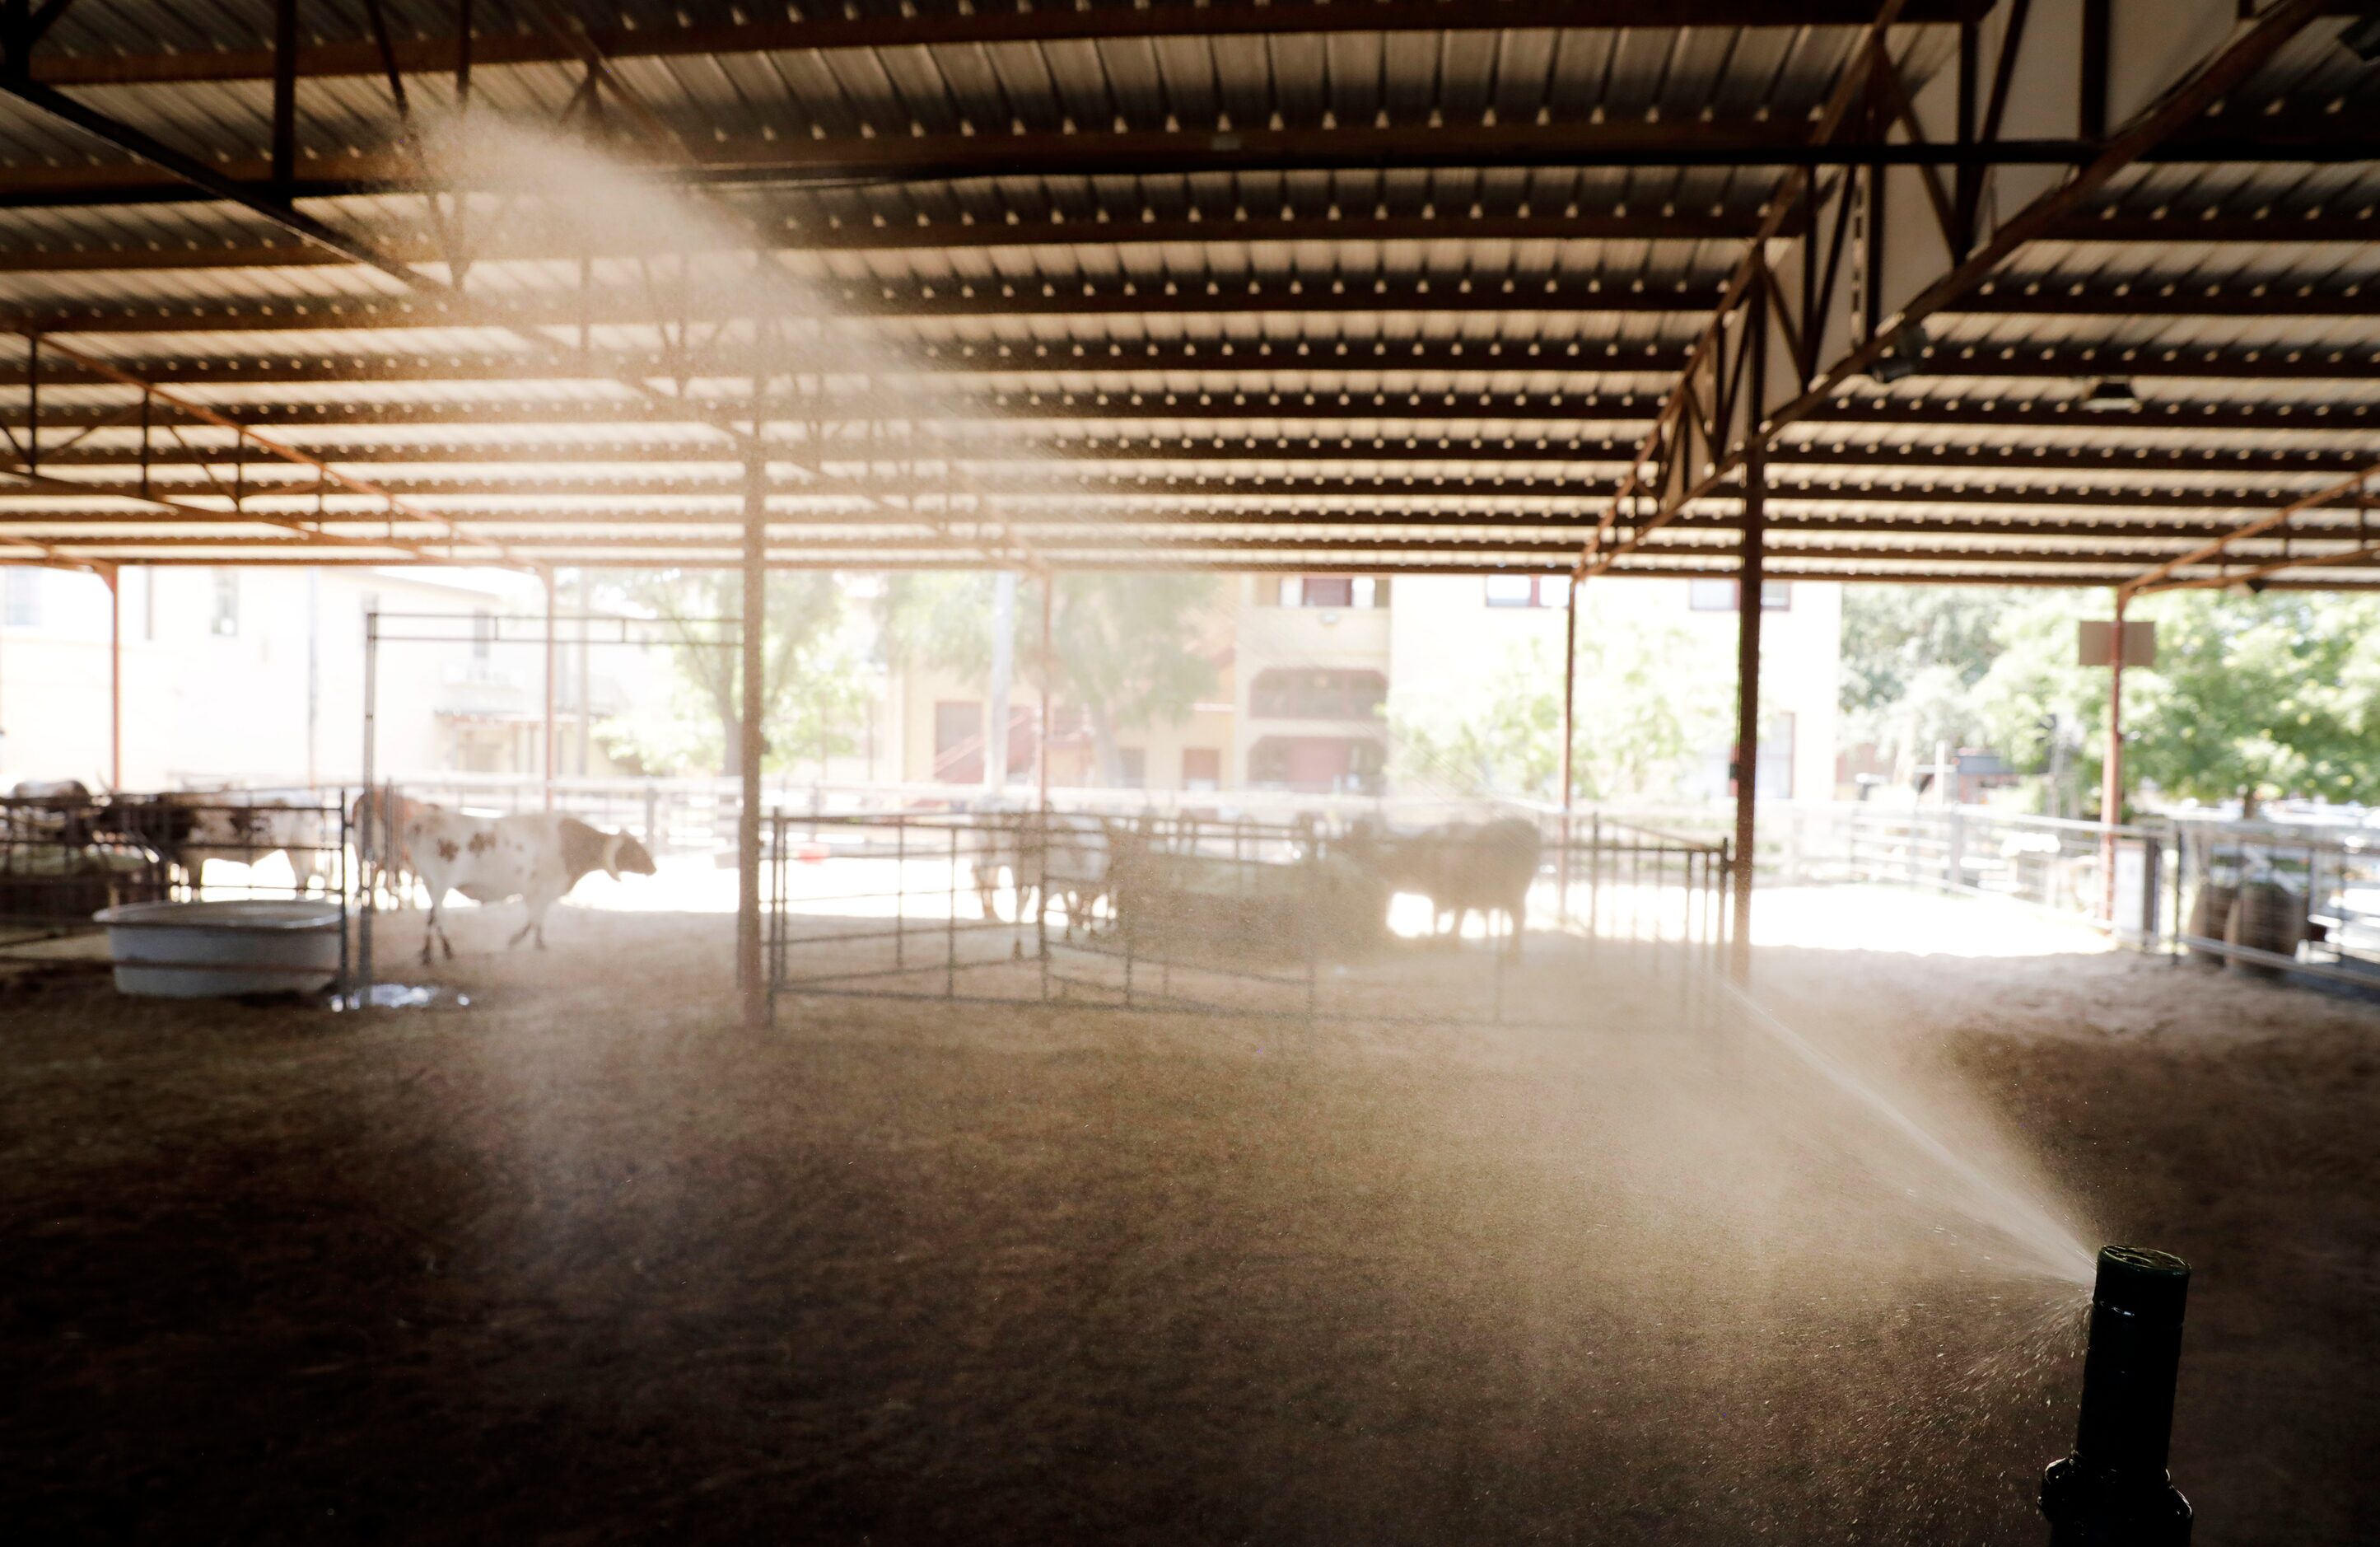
[2050,1246]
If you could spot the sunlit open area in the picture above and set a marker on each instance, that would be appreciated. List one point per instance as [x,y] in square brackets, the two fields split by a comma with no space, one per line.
[1190,770]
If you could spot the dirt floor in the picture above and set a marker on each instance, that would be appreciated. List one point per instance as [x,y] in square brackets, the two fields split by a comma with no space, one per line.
[585,1263]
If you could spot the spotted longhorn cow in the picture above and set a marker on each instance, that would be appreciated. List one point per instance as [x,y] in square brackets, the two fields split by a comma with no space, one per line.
[535,855]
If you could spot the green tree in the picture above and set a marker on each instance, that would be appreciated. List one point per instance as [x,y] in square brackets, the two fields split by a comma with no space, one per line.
[815,684]
[1129,649]
[1649,703]
[1911,657]
[2278,693]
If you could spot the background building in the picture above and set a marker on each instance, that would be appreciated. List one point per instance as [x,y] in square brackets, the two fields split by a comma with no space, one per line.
[1318,665]
[255,675]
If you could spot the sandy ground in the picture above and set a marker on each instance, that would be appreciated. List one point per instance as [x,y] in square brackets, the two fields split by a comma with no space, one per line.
[584,1264]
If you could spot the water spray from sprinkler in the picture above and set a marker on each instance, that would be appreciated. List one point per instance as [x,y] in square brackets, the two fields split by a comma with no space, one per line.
[2114,1490]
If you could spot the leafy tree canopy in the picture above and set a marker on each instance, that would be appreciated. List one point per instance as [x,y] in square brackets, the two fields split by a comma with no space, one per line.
[1650,700]
[1130,649]
[816,683]
[2278,693]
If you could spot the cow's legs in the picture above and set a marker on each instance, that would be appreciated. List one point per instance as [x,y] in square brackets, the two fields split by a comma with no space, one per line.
[537,903]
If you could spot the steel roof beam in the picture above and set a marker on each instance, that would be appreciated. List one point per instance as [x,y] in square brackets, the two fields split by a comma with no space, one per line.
[1441,294]
[1228,356]
[1223,356]
[1225,229]
[946,496]
[2115,460]
[949,26]
[787,162]
[2164,577]
[1333,413]
[1894,572]
[853,551]
[777,233]
[1446,294]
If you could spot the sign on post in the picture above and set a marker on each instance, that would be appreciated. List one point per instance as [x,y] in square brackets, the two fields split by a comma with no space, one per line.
[2094,639]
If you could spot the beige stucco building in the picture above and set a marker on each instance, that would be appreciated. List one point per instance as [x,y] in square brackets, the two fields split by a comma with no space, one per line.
[255,675]
[1316,664]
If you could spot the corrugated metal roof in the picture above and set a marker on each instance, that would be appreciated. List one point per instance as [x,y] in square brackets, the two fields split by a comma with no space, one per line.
[1406,294]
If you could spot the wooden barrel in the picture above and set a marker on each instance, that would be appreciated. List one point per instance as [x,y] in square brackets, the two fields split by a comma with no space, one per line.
[2266,916]
[2210,918]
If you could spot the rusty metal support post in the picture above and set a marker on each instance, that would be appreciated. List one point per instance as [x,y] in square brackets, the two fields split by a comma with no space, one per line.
[1048,668]
[1749,609]
[546,575]
[751,630]
[113,575]
[1568,738]
[1041,777]
[2111,776]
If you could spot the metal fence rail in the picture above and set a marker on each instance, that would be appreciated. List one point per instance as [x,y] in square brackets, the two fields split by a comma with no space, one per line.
[1187,913]
[2175,877]
[2327,881]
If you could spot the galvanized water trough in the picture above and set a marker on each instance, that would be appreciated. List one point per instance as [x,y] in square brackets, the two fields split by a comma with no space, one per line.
[193,950]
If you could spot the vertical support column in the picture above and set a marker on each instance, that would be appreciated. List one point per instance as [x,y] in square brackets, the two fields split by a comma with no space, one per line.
[113,575]
[379,820]
[34,402]
[462,56]
[582,690]
[1003,675]
[748,741]
[1749,612]
[1568,738]
[284,93]
[2111,777]
[1747,703]
[1049,669]
[1968,181]
[547,574]
[313,674]
[2091,97]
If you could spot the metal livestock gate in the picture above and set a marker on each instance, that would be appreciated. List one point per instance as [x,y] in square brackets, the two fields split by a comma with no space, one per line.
[1206,915]
[65,855]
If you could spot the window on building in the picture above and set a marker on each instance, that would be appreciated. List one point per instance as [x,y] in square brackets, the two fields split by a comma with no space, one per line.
[1131,767]
[1528,590]
[1202,768]
[24,597]
[483,635]
[225,619]
[1719,596]
[1325,591]
[1318,764]
[1284,693]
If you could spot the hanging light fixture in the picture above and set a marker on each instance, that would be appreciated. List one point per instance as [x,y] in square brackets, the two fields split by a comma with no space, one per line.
[2111,394]
[1900,359]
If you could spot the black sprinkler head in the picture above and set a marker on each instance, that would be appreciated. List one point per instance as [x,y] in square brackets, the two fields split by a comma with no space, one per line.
[2114,1490]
